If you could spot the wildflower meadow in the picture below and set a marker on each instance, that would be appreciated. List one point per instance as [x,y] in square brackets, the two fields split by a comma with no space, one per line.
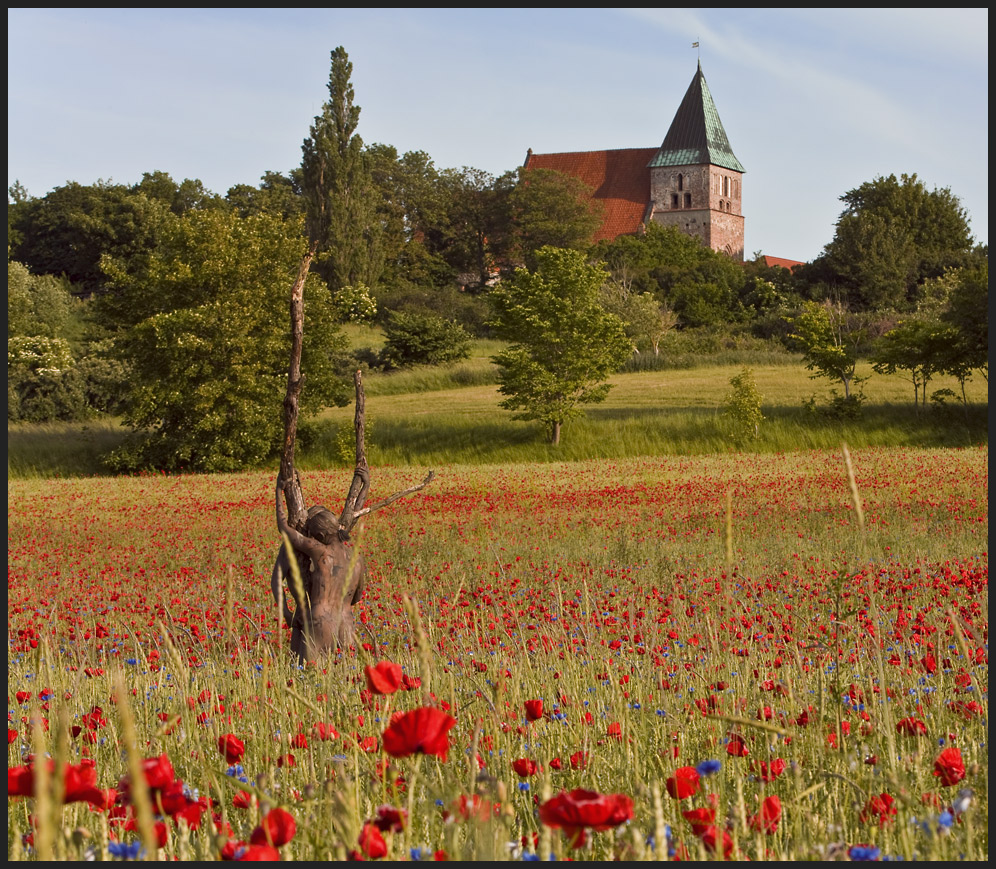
[737,656]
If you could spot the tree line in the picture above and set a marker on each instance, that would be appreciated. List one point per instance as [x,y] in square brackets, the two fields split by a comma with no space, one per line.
[165,303]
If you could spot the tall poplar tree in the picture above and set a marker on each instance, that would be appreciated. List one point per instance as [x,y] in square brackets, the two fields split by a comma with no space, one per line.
[343,222]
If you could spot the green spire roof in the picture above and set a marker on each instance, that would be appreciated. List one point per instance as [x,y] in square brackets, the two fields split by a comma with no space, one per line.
[696,134]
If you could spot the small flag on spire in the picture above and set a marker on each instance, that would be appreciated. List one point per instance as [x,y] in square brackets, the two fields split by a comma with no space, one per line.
[695,45]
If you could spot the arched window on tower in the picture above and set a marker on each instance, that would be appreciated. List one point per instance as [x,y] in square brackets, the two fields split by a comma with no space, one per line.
[674,200]
[688,200]
[727,206]
[726,185]
[681,182]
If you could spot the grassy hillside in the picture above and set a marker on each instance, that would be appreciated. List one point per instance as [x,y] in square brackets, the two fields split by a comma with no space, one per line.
[450,415]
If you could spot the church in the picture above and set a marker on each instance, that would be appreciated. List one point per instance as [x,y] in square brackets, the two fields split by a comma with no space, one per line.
[692,181]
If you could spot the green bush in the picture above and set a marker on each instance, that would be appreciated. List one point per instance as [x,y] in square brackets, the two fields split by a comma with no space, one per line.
[423,339]
[742,407]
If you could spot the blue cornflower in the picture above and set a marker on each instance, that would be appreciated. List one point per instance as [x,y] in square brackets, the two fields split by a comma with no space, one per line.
[864,852]
[523,786]
[708,767]
[125,850]
[945,820]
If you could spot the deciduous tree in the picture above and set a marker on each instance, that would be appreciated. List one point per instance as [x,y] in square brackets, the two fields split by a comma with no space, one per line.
[828,342]
[207,341]
[564,344]
[893,234]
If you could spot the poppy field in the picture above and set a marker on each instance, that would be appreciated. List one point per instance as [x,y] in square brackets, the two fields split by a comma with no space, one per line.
[737,656]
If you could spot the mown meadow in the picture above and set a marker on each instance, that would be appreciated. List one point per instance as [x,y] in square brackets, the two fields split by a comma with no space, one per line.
[685,656]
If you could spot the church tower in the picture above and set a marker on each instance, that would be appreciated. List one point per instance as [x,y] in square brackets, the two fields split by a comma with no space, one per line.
[695,179]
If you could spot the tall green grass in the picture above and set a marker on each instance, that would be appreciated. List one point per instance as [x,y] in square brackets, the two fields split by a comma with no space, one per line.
[451,415]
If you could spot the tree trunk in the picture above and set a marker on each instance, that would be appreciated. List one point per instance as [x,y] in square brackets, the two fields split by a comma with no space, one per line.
[296,510]
[555,432]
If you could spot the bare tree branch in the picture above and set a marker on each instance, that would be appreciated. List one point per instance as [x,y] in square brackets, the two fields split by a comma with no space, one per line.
[296,510]
[360,513]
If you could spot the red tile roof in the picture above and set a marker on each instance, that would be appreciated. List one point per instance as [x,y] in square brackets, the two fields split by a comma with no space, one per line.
[620,180]
[781,261]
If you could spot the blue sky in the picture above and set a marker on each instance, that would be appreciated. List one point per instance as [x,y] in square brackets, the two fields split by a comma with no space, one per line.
[815,102]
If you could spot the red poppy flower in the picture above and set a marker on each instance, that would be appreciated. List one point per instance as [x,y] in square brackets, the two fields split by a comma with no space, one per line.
[684,783]
[473,807]
[232,747]
[700,819]
[911,727]
[534,709]
[372,842]
[158,772]
[879,809]
[242,800]
[390,818]
[712,836]
[767,819]
[579,760]
[325,731]
[244,853]
[383,678]
[949,767]
[277,828]
[524,767]
[421,730]
[771,771]
[579,809]
[737,747]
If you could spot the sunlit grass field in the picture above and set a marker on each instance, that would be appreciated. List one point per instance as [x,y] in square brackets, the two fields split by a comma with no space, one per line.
[451,414]
[756,655]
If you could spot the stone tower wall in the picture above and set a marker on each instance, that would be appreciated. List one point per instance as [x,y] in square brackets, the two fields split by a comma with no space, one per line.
[703,201]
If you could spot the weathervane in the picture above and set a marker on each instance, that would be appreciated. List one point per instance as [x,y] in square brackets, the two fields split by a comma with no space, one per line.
[698,52]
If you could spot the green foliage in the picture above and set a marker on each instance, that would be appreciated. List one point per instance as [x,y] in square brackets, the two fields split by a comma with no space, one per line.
[828,340]
[893,234]
[422,339]
[919,347]
[40,305]
[205,332]
[647,321]
[178,198]
[551,208]
[338,187]
[479,240]
[414,213]
[68,231]
[276,194]
[42,384]
[968,313]
[701,286]
[354,304]
[564,345]
[742,407]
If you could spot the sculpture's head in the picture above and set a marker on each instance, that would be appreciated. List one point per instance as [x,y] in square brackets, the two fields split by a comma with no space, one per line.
[323,526]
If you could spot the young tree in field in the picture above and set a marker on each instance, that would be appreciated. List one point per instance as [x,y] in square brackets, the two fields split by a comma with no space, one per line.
[828,344]
[338,187]
[646,320]
[919,347]
[564,345]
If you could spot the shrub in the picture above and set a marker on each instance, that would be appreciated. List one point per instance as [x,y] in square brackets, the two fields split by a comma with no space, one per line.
[742,407]
[423,339]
